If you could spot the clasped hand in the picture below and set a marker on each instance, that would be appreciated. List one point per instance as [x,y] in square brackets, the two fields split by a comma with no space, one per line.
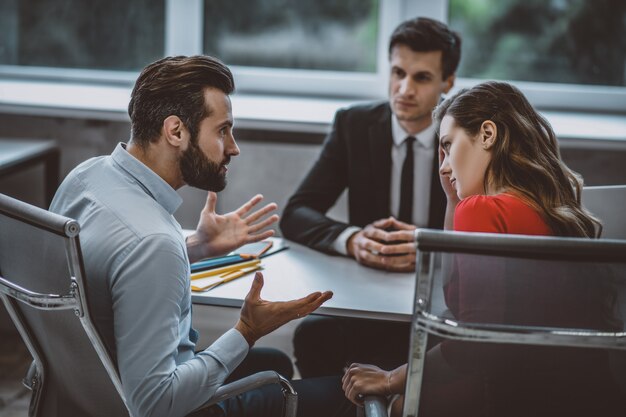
[377,247]
[219,234]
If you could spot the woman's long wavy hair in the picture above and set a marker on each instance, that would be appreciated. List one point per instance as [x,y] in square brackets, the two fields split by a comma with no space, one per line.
[525,156]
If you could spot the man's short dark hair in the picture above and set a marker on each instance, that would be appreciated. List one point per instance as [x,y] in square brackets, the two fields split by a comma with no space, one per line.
[175,86]
[428,35]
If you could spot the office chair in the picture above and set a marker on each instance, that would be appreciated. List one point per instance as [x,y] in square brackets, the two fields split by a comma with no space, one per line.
[607,202]
[43,287]
[556,296]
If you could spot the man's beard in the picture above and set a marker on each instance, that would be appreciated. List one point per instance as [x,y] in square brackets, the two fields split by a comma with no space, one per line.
[199,171]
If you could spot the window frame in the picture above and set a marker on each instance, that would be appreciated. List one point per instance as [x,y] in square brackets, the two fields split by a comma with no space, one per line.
[328,84]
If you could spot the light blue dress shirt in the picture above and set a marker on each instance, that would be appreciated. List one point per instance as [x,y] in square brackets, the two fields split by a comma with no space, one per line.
[137,272]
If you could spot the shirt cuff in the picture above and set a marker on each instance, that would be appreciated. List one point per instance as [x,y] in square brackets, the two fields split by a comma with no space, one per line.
[340,244]
[230,349]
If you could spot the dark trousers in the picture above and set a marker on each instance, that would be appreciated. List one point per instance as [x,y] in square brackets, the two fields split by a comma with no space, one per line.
[326,345]
[317,397]
[263,359]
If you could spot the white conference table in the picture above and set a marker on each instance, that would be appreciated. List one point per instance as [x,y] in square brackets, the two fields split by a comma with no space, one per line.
[359,291]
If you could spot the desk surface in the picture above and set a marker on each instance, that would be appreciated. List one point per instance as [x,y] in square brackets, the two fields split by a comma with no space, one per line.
[293,273]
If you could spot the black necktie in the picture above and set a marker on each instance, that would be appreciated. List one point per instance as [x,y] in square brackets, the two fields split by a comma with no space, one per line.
[405,214]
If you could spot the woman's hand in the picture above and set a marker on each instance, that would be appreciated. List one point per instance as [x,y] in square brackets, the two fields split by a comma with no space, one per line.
[451,195]
[448,189]
[361,379]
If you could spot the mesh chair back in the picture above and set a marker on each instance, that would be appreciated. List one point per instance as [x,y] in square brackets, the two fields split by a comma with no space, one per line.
[40,252]
[528,325]
[608,204]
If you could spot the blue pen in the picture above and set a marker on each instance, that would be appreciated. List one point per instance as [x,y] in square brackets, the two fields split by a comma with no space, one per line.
[215,262]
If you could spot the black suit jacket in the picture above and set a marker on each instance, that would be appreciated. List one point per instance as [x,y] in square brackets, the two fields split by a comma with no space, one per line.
[357,155]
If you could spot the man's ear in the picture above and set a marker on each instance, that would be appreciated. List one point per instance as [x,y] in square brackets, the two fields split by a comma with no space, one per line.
[175,132]
[488,134]
[449,83]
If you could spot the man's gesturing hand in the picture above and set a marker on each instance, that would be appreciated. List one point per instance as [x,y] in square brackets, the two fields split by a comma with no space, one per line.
[259,317]
[218,234]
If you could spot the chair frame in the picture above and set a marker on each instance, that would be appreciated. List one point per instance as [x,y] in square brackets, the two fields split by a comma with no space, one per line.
[604,201]
[373,406]
[75,300]
[518,246]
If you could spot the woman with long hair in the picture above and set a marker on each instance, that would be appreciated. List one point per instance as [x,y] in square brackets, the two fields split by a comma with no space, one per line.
[494,144]
[502,173]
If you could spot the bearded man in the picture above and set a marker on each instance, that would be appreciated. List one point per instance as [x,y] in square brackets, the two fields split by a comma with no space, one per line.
[136,258]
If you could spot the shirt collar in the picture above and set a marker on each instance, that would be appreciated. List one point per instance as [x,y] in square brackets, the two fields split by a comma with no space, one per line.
[426,137]
[154,185]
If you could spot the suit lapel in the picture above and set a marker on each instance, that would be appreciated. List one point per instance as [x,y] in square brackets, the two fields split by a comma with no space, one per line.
[380,143]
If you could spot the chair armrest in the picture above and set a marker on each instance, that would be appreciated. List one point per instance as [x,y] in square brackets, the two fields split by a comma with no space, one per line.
[255,381]
[31,378]
[373,406]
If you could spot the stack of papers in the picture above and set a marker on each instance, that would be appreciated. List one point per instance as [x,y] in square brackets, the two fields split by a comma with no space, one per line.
[218,262]
[209,273]
[206,280]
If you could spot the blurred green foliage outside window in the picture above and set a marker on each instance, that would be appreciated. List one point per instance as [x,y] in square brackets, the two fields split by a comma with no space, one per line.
[85,34]
[552,41]
[296,34]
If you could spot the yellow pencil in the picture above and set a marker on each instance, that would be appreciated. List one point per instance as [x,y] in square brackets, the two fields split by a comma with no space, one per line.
[227,278]
[236,274]
[225,269]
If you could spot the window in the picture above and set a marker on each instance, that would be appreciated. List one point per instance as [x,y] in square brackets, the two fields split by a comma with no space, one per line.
[558,41]
[82,34]
[316,35]
[311,47]
[564,54]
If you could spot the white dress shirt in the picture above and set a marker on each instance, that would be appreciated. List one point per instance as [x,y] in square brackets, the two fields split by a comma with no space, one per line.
[423,165]
[422,169]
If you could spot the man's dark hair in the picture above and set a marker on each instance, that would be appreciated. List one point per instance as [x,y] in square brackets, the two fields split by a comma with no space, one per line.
[428,35]
[175,86]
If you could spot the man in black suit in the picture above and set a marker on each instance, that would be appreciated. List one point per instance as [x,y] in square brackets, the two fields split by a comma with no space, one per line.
[386,154]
